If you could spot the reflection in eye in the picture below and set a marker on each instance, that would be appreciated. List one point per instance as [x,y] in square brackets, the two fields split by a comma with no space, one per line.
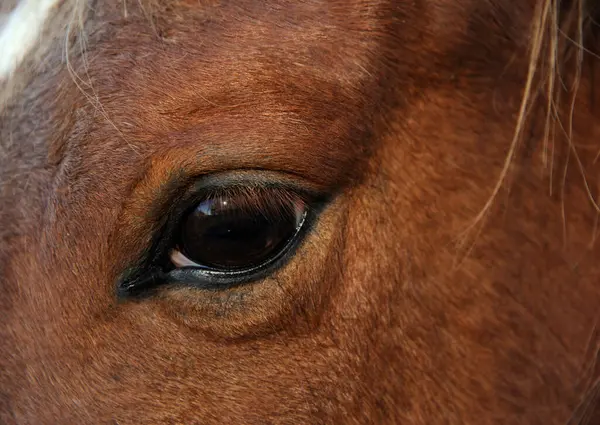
[238,230]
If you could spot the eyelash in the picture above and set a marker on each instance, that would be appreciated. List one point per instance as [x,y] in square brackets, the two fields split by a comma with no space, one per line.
[157,269]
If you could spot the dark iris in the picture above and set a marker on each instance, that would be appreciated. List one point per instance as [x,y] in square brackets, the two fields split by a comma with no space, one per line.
[223,234]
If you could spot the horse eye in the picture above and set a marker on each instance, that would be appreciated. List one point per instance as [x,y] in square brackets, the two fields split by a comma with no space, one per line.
[224,237]
[232,234]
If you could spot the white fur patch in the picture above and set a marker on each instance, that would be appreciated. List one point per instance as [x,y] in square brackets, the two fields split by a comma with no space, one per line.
[20,33]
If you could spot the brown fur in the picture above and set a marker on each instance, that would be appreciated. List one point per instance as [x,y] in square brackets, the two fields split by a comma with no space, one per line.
[405,110]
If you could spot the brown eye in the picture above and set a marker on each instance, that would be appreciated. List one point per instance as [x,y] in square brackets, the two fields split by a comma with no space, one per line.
[223,236]
[238,231]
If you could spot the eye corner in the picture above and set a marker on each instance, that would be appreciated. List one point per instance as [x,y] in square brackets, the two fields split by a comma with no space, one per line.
[140,282]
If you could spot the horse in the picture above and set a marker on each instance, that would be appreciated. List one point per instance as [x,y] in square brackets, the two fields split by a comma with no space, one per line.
[299,212]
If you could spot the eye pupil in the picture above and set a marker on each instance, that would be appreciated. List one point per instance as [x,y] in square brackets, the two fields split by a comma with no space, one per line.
[226,234]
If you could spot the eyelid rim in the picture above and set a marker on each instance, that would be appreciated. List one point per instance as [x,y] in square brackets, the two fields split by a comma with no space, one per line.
[149,271]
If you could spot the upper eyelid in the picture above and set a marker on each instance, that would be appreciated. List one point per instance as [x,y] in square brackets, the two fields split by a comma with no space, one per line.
[180,188]
[191,189]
